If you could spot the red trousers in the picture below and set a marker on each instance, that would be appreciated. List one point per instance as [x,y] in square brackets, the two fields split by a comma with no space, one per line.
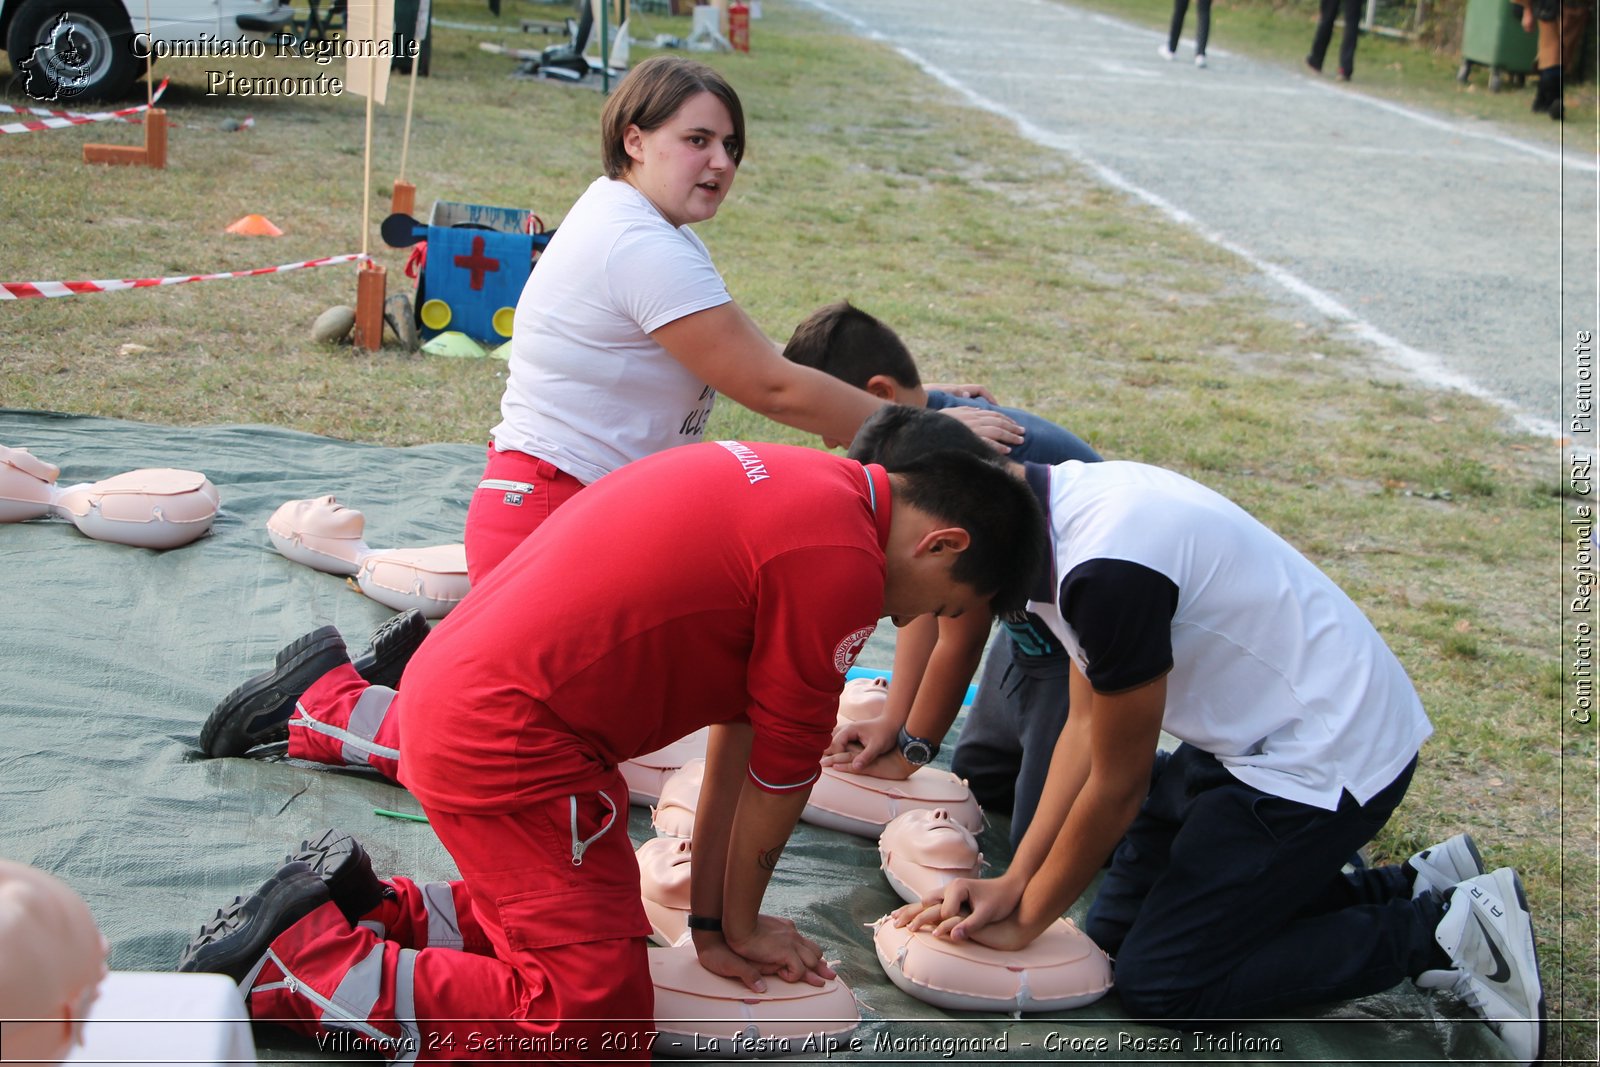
[516,494]
[537,953]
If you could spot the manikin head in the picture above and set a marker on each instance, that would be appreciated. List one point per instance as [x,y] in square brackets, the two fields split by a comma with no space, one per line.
[52,958]
[320,516]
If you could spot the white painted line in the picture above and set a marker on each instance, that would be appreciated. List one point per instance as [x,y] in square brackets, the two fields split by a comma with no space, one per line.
[1423,365]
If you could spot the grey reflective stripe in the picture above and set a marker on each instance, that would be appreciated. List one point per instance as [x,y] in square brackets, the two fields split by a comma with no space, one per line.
[444,929]
[375,926]
[365,721]
[330,1010]
[405,1005]
[505,486]
[359,988]
[361,745]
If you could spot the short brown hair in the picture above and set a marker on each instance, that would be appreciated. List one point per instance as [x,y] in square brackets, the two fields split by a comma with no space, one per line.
[651,94]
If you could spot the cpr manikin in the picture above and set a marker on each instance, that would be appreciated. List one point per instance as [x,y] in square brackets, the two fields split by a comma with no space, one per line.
[862,804]
[155,507]
[325,535]
[922,852]
[647,774]
[52,960]
[1060,969]
[673,815]
[664,887]
[925,850]
[700,1014]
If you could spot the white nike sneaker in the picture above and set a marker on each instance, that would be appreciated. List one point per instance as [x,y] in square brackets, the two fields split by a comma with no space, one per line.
[1488,934]
[1443,865]
[1166,53]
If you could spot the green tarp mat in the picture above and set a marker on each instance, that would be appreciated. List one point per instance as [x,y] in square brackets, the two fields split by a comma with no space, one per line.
[115,655]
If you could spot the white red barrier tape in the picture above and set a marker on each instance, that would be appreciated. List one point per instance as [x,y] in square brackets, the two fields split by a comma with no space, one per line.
[27,290]
[56,120]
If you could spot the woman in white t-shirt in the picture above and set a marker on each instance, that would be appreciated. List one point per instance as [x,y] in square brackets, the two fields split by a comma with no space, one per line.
[625,332]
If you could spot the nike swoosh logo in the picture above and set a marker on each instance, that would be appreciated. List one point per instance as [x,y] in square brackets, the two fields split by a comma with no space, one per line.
[1502,969]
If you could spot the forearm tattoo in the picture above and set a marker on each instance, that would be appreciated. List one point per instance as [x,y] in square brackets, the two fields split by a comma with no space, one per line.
[768,860]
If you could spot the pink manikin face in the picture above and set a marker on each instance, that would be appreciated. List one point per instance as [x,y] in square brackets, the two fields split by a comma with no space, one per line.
[931,839]
[321,516]
[863,699]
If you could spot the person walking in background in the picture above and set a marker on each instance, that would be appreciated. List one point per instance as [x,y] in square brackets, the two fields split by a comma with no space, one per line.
[1561,27]
[1324,35]
[1180,10]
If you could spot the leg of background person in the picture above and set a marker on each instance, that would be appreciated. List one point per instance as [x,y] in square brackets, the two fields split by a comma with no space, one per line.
[1574,20]
[1180,10]
[1324,33]
[1220,934]
[989,749]
[516,493]
[1040,705]
[1352,33]
[1202,30]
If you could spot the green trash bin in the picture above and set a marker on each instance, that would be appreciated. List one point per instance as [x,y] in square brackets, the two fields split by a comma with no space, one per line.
[1493,37]
[405,28]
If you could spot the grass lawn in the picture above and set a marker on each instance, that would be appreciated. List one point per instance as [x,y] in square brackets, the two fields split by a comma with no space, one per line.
[998,262]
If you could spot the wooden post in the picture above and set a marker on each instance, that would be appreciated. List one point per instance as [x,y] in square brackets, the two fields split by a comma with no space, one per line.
[369,307]
[153,153]
[404,200]
[155,138]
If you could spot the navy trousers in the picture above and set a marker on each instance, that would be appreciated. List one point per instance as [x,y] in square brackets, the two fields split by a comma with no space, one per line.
[1011,730]
[1180,8]
[1324,35]
[1224,902]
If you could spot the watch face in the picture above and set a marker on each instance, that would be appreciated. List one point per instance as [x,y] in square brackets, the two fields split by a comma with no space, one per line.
[916,752]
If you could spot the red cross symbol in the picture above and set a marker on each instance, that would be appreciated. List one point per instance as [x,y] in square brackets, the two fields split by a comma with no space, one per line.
[478,263]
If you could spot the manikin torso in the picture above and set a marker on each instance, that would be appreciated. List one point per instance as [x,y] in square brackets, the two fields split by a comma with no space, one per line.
[325,535]
[157,507]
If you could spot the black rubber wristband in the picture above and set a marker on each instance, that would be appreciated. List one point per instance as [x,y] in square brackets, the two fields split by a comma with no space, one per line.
[705,922]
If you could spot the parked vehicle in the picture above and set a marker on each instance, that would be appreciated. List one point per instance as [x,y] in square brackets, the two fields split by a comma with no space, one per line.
[92,49]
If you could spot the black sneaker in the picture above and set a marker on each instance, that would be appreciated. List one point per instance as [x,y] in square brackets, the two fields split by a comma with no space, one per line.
[257,713]
[238,936]
[390,648]
[346,869]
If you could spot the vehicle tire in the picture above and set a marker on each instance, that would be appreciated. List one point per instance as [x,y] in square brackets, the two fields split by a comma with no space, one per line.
[73,49]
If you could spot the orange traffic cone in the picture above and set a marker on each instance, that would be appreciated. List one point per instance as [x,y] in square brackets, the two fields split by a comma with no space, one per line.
[255,226]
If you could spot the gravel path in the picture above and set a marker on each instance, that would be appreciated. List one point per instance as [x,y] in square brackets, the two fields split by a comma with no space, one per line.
[1435,242]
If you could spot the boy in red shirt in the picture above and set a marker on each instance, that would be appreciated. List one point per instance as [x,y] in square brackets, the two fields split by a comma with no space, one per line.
[722,584]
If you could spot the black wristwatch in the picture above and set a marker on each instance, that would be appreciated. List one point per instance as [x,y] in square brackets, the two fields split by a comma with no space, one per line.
[917,751]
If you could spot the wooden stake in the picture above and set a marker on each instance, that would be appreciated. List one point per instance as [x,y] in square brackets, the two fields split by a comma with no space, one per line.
[370,288]
[404,199]
[153,153]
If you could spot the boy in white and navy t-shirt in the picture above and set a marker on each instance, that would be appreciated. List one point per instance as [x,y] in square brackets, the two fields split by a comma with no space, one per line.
[1225,896]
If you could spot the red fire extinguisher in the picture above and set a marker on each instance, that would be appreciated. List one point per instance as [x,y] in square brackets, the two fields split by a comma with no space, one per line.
[739,26]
